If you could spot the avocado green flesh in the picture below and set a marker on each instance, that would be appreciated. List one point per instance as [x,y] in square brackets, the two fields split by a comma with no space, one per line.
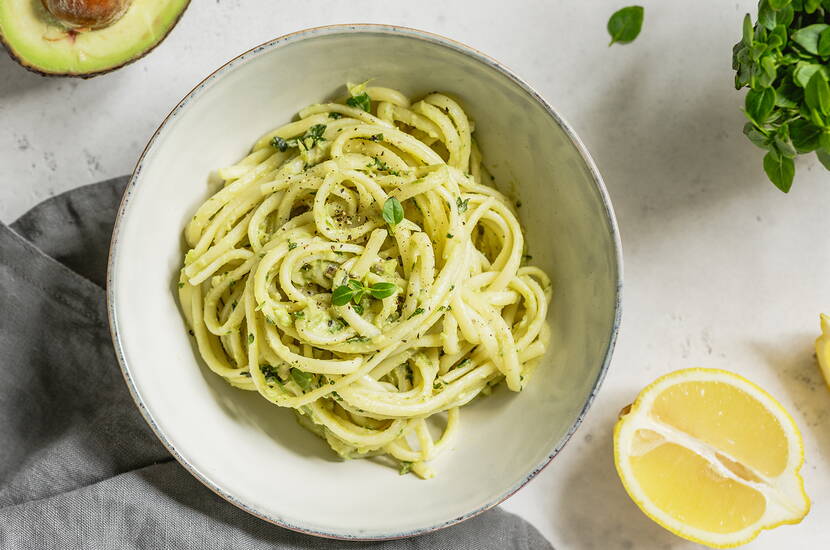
[41,43]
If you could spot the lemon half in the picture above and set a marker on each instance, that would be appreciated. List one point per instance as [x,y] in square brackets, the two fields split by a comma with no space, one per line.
[711,457]
[823,348]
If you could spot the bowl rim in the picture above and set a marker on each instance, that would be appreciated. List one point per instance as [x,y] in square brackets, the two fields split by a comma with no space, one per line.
[415,34]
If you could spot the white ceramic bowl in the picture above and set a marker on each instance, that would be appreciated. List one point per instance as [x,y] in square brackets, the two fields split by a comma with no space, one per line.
[253,453]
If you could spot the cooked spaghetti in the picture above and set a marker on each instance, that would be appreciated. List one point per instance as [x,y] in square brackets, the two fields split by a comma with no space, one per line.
[358,268]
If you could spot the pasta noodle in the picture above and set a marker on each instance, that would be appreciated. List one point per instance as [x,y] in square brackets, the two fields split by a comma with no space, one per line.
[358,268]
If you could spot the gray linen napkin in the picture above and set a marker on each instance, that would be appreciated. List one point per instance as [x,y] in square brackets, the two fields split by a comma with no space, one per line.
[79,468]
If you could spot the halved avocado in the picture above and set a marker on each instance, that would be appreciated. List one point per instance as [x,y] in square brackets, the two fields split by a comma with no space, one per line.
[44,44]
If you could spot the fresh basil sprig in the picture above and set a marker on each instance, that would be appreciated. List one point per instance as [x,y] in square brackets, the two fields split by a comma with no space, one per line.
[625,24]
[784,60]
[308,140]
[353,291]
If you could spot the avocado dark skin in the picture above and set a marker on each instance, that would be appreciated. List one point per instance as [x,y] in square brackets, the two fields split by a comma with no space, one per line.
[82,16]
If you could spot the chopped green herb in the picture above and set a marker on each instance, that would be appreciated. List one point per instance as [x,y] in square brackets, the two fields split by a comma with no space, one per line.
[250,338]
[269,372]
[302,378]
[282,145]
[462,205]
[358,309]
[418,311]
[308,140]
[335,115]
[291,245]
[315,134]
[245,374]
[382,166]
[298,314]
[405,468]
[377,137]
[450,235]
[355,339]
[336,325]
[361,101]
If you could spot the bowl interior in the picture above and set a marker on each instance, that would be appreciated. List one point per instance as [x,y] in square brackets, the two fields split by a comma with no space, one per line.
[255,453]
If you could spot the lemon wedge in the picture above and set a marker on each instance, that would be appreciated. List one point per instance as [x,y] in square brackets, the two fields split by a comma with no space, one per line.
[823,348]
[711,457]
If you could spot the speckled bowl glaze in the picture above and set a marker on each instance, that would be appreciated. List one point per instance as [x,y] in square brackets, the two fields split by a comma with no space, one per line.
[254,454]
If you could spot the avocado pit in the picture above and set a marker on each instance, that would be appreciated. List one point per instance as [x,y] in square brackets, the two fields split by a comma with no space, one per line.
[86,14]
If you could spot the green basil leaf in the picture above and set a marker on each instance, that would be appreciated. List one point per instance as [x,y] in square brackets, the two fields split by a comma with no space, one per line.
[780,170]
[392,211]
[817,93]
[804,72]
[756,136]
[358,296]
[786,16]
[302,378]
[808,37]
[778,4]
[747,30]
[767,17]
[824,158]
[382,290]
[757,50]
[770,71]
[625,24]
[361,101]
[811,5]
[783,142]
[759,104]
[341,295]
[788,95]
[805,135]
[824,43]
[778,37]
[354,284]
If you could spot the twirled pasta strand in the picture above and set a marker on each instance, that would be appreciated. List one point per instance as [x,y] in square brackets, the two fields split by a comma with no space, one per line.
[302,215]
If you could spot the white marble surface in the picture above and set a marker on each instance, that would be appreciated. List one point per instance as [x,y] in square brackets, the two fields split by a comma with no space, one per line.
[722,270]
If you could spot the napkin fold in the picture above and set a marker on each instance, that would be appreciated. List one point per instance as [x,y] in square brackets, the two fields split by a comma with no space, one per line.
[79,467]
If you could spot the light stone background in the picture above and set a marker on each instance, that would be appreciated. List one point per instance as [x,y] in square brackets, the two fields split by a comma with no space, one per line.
[722,270]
